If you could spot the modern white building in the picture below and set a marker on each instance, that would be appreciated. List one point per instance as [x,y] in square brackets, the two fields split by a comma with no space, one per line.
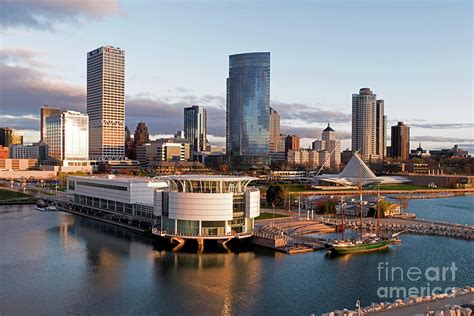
[207,207]
[185,206]
[67,135]
[106,103]
[131,197]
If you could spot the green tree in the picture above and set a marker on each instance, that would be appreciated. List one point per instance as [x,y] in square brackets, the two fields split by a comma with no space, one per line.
[275,195]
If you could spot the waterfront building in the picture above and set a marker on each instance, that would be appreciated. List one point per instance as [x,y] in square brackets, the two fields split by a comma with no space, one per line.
[9,137]
[187,206]
[331,145]
[364,124]
[128,197]
[67,135]
[207,206]
[45,112]
[355,172]
[195,127]
[106,103]
[292,142]
[247,116]
[273,146]
[400,141]
[34,151]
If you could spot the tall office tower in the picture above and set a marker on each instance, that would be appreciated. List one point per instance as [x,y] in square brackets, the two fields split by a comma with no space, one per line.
[331,145]
[67,136]
[9,137]
[400,142]
[248,118]
[106,103]
[141,135]
[195,125]
[380,128]
[364,124]
[47,111]
[292,142]
[274,131]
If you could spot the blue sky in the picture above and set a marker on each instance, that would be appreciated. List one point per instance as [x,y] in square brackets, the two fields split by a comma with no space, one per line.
[417,55]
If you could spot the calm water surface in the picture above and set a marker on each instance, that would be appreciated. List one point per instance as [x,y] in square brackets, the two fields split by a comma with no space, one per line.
[459,209]
[56,263]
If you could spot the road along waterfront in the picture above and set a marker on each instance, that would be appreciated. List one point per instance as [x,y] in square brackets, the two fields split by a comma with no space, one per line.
[63,263]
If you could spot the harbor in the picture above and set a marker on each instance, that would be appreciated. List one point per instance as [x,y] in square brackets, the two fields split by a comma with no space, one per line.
[251,279]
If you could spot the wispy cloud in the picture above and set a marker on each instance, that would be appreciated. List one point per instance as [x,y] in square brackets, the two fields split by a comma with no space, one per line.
[440,139]
[442,125]
[309,114]
[45,14]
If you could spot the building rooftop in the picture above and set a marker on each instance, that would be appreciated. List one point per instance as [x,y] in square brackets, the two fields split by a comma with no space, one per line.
[121,178]
[203,177]
[328,129]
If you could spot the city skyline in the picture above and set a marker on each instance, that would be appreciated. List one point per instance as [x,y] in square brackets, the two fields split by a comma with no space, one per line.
[308,93]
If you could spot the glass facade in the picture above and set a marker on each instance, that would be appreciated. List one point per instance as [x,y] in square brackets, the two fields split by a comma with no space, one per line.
[67,135]
[248,117]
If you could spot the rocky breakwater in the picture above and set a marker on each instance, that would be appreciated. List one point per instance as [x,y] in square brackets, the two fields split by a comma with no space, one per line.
[436,302]
[419,228]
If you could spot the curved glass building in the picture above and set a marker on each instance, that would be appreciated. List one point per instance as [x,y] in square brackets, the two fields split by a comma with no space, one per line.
[248,102]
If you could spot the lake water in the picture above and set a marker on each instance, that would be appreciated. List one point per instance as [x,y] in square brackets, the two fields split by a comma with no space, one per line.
[56,263]
[459,209]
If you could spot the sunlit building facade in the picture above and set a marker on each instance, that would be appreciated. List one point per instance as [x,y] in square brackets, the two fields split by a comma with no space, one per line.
[67,135]
[248,102]
[106,103]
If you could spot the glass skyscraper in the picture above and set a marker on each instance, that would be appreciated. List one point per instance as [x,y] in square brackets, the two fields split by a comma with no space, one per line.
[248,102]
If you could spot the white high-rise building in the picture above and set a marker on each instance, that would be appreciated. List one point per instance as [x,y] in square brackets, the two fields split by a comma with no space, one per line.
[106,103]
[364,124]
[67,135]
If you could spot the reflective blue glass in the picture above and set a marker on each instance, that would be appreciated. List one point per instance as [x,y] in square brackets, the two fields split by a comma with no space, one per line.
[248,120]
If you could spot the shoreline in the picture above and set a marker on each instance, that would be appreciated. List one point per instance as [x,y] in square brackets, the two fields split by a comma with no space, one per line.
[417,304]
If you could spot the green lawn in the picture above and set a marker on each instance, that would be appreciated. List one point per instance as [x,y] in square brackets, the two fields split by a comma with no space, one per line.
[269,215]
[8,195]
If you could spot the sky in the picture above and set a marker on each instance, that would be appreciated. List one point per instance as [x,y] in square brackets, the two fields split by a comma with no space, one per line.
[416,55]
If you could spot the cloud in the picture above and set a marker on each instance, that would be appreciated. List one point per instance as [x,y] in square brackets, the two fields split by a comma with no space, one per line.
[24,87]
[311,132]
[45,14]
[442,125]
[309,114]
[440,139]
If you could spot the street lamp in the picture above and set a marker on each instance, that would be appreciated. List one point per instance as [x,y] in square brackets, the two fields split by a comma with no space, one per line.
[358,308]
